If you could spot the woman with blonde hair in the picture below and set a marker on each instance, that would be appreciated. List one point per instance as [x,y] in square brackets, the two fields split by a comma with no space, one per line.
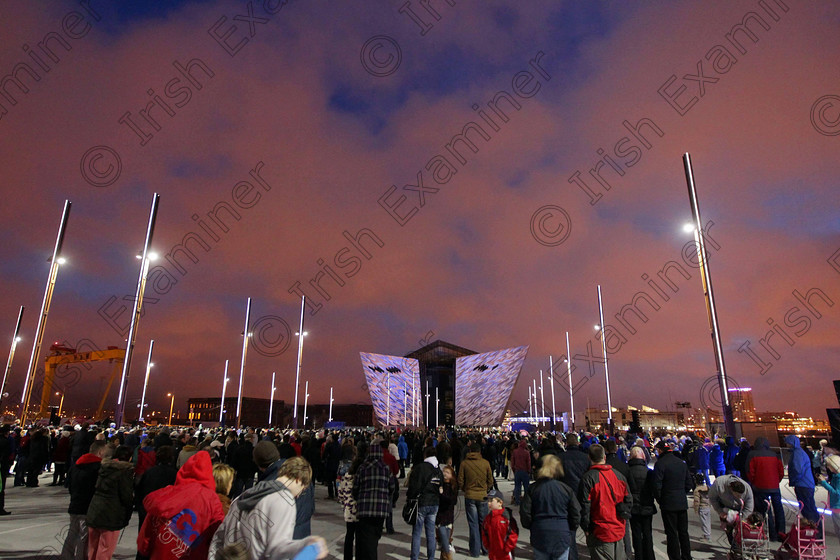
[223,475]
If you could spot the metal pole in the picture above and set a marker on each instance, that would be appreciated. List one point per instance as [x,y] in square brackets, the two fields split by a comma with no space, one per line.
[536,409]
[119,413]
[571,392]
[551,380]
[142,416]
[305,401]
[427,403]
[437,407]
[405,403]
[711,309]
[245,335]
[388,398]
[171,406]
[542,396]
[331,401]
[224,387]
[299,356]
[60,406]
[271,401]
[45,309]
[606,367]
[530,407]
[15,340]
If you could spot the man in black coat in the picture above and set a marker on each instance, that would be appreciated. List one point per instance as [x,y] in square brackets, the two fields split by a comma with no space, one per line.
[81,480]
[575,463]
[6,447]
[642,488]
[672,482]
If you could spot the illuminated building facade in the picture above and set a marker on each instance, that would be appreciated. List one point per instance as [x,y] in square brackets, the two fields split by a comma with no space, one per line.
[442,383]
[743,408]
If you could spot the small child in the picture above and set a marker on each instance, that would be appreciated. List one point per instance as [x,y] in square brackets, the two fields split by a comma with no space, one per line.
[702,506]
[499,532]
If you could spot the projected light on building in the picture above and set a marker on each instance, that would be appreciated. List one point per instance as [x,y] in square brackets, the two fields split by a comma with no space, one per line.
[483,384]
[394,386]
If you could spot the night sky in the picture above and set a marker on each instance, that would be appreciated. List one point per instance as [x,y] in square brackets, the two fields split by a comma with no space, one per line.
[464,171]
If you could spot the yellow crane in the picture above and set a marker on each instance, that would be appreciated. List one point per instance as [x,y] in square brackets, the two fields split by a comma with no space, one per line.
[61,355]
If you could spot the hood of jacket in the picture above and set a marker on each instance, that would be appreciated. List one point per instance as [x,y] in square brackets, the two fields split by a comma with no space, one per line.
[170,500]
[432,461]
[762,442]
[523,444]
[197,469]
[730,440]
[250,498]
[88,458]
[792,440]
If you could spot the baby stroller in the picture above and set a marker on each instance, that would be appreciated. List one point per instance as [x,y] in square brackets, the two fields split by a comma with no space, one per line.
[749,539]
[806,540]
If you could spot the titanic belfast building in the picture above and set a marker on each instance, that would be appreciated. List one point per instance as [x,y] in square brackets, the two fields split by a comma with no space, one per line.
[442,384]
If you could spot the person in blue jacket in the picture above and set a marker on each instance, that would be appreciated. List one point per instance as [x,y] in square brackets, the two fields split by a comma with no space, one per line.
[729,454]
[832,465]
[402,449]
[716,463]
[701,457]
[801,478]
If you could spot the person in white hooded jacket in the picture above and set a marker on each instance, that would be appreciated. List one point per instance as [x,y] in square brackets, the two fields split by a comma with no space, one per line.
[262,519]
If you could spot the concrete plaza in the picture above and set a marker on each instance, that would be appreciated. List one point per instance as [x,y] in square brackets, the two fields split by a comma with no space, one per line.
[38,524]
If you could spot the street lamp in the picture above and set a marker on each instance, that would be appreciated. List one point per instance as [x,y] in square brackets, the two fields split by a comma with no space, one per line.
[149,365]
[171,406]
[600,328]
[271,400]
[331,402]
[45,309]
[300,334]
[305,401]
[571,392]
[60,404]
[145,258]
[246,333]
[711,309]
[224,386]
[15,340]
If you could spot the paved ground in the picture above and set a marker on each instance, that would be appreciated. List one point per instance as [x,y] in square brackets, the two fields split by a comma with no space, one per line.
[38,525]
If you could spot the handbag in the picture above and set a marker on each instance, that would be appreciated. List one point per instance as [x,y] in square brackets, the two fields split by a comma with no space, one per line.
[409,512]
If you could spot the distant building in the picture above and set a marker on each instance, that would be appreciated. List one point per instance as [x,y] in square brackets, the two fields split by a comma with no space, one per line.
[255,413]
[743,408]
[649,418]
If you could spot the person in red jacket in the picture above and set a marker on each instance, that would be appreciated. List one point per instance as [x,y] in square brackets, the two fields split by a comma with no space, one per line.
[499,532]
[181,519]
[601,490]
[764,471]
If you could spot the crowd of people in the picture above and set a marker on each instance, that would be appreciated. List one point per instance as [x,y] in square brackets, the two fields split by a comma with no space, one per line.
[228,494]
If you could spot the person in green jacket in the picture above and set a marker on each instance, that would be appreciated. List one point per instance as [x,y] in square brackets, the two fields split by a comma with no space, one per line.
[112,503]
[832,465]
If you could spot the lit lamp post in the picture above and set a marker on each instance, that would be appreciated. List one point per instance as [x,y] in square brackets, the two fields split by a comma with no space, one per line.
[571,392]
[300,334]
[600,328]
[305,401]
[551,382]
[271,399]
[60,403]
[145,258]
[711,309]
[149,365]
[55,262]
[331,402]
[224,386]
[171,406]
[15,340]
[245,335]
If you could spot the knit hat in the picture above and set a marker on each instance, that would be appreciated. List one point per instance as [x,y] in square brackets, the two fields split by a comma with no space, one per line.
[495,494]
[265,453]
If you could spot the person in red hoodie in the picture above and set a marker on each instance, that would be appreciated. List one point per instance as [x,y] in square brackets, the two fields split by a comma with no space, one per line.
[601,490]
[181,519]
